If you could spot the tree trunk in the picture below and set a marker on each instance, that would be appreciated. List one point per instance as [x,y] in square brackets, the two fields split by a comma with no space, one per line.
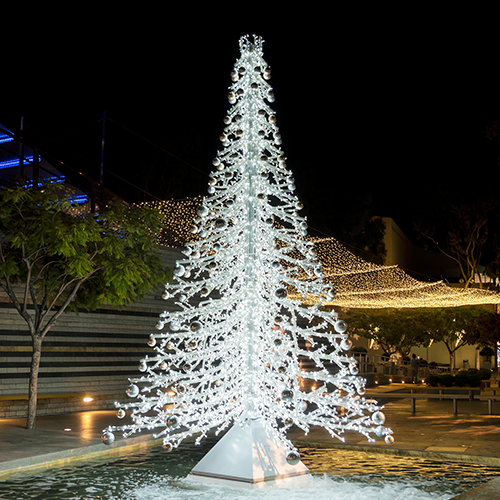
[452,361]
[33,383]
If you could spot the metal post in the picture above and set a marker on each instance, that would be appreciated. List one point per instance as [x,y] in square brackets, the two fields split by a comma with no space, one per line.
[413,406]
[455,411]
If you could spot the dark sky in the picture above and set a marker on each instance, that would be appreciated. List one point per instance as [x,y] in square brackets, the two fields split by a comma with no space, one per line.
[396,110]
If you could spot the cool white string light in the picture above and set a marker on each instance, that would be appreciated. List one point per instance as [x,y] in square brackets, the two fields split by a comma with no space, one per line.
[234,348]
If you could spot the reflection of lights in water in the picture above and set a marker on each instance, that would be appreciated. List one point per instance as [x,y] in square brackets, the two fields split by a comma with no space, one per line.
[152,474]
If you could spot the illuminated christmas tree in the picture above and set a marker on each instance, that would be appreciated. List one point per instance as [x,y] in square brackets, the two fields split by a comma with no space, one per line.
[236,347]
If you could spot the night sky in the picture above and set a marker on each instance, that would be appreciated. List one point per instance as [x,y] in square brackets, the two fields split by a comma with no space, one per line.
[393,111]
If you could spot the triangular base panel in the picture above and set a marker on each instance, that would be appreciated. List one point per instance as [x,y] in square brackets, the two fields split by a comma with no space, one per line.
[245,456]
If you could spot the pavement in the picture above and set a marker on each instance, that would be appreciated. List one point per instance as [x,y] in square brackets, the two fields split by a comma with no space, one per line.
[433,431]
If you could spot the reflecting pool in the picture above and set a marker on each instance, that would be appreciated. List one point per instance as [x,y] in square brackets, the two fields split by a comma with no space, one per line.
[153,474]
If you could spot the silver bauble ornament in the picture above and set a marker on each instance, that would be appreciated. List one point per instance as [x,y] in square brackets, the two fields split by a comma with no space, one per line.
[132,391]
[195,326]
[340,326]
[378,418]
[346,344]
[293,457]
[179,270]
[171,421]
[108,438]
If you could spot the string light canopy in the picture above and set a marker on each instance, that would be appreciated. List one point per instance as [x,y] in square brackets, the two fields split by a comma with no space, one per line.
[356,282]
[233,350]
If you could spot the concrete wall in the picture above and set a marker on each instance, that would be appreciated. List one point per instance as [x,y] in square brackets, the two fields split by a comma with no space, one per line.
[419,263]
[87,354]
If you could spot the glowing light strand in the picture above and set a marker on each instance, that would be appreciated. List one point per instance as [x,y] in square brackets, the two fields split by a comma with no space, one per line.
[234,348]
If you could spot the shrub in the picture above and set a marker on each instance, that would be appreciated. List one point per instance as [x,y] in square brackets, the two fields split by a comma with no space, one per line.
[447,380]
[433,380]
[484,374]
[474,380]
[461,378]
[487,351]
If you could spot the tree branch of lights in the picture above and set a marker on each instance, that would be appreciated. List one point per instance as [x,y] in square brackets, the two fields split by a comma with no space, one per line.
[234,347]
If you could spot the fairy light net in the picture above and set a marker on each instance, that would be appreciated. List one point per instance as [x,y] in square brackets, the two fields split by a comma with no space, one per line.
[357,283]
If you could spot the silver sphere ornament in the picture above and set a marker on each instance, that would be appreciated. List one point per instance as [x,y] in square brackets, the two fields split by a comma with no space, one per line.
[220,223]
[378,418]
[202,210]
[165,295]
[152,341]
[302,406]
[280,293]
[121,413]
[168,447]
[389,439]
[293,457]
[108,438]
[340,326]
[195,326]
[142,366]
[353,369]
[179,270]
[132,391]
[287,395]
[171,421]
[175,325]
[345,344]
[380,431]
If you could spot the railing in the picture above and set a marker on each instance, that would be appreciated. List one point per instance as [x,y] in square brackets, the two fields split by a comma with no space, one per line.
[382,364]
[441,396]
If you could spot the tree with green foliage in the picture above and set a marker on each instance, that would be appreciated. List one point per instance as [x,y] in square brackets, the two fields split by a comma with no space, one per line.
[55,259]
[453,326]
[487,334]
[396,331]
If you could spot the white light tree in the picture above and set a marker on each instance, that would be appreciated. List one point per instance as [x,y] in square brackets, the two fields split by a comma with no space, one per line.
[236,344]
